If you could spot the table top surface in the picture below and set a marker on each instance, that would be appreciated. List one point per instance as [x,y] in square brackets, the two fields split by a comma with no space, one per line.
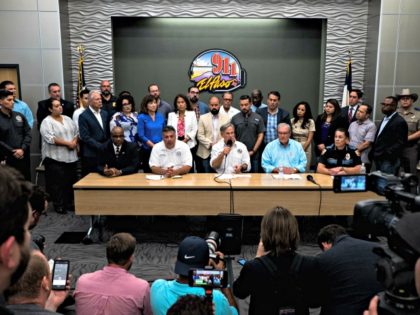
[203,181]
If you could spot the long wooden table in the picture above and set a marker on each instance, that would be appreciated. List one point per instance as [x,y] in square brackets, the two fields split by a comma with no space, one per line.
[200,194]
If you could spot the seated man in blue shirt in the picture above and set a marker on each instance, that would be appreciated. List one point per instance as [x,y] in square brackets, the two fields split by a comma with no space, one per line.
[193,252]
[284,154]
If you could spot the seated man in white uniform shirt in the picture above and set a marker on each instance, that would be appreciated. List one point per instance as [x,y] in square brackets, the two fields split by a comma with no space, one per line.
[229,156]
[170,157]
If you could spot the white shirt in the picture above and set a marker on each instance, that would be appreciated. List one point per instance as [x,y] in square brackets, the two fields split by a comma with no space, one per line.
[238,155]
[97,114]
[77,114]
[231,112]
[177,157]
[51,129]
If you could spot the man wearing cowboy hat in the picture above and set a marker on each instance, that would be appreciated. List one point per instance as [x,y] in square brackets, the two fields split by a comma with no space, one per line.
[406,109]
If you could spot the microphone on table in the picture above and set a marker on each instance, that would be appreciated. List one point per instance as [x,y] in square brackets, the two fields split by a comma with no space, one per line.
[311,179]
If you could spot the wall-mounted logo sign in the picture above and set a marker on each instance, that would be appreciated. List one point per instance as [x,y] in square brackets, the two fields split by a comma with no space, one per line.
[217,70]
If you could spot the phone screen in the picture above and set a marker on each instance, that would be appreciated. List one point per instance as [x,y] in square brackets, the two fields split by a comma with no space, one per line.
[241,261]
[350,183]
[60,274]
[207,278]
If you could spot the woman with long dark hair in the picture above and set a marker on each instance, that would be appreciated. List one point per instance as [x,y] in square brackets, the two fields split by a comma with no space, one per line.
[303,129]
[327,123]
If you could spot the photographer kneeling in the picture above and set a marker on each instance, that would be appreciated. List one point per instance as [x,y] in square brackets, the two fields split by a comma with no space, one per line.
[278,278]
[193,252]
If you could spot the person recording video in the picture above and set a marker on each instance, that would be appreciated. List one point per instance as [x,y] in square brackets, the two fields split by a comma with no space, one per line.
[193,252]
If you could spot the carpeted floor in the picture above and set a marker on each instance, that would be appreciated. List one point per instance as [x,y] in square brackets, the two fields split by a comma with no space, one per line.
[158,239]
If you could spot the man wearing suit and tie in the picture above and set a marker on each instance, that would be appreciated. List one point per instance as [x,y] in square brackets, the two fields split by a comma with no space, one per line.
[208,133]
[94,132]
[349,111]
[119,157]
[390,139]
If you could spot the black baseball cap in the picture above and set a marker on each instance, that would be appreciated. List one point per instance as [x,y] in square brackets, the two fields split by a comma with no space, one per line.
[193,252]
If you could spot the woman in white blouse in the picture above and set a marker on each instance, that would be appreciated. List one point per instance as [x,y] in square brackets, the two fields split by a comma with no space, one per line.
[59,154]
[184,121]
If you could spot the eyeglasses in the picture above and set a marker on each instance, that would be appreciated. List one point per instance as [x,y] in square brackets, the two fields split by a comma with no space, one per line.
[228,99]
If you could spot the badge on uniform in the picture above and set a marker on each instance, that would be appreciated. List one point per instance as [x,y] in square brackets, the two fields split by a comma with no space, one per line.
[347,157]
[19,119]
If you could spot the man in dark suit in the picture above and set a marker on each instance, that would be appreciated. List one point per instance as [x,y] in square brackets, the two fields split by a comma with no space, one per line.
[346,270]
[119,157]
[390,139]
[55,93]
[349,111]
[94,132]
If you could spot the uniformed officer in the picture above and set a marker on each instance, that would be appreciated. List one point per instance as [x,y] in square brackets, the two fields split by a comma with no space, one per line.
[15,136]
[406,109]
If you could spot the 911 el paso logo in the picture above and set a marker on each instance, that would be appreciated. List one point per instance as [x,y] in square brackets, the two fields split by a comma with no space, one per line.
[217,70]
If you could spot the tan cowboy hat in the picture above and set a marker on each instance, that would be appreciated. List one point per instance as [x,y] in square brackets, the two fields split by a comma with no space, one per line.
[406,92]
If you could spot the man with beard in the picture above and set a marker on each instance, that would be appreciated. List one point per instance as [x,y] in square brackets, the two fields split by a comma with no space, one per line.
[163,107]
[249,129]
[14,229]
[208,134]
[109,101]
[391,138]
[122,291]
[198,106]
[33,293]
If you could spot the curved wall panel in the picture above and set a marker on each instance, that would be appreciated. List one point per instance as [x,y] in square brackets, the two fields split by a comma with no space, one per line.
[90,24]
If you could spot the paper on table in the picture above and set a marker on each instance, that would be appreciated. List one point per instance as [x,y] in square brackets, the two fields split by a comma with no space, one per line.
[154,177]
[286,176]
[230,176]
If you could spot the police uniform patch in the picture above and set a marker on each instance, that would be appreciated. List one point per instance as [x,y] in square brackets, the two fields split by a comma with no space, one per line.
[347,157]
[19,119]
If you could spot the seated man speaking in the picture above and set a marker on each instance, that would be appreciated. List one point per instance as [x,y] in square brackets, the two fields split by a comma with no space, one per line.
[229,156]
[170,157]
[119,157]
[339,158]
[284,155]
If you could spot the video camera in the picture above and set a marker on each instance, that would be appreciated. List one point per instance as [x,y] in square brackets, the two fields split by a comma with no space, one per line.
[389,218]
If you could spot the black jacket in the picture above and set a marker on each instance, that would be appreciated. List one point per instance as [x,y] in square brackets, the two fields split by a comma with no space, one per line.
[347,276]
[127,162]
[256,280]
[338,122]
[390,143]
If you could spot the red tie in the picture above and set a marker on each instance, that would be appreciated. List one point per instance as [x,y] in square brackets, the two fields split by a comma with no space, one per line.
[350,113]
